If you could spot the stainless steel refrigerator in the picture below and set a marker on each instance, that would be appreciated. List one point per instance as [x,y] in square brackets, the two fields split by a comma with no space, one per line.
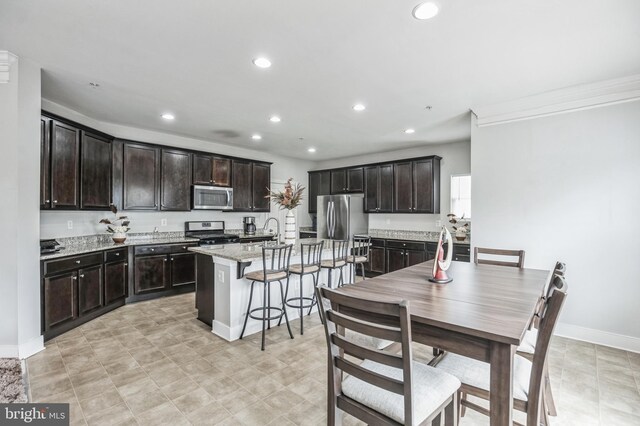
[341,216]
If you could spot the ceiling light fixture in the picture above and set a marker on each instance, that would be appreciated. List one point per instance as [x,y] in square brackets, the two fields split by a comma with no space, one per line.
[275,119]
[256,137]
[409,131]
[359,107]
[262,62]
[425,10]
[311,150]
[168,116]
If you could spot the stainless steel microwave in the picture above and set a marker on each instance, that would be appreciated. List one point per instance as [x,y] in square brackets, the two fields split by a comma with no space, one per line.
[211,198]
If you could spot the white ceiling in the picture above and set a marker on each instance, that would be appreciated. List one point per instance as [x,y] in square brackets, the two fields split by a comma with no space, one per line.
[193,58]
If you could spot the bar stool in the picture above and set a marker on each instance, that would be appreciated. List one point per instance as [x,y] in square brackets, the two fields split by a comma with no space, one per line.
[277,257]
[338,260]
[359,254]
[310,255]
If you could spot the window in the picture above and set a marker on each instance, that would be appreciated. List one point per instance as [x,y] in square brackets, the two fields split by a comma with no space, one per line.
[461,195]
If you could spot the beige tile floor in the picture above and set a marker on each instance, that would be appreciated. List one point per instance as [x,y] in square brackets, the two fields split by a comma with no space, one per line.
[154,363]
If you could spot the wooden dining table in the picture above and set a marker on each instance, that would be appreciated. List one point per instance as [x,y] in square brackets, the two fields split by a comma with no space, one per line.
[482,314]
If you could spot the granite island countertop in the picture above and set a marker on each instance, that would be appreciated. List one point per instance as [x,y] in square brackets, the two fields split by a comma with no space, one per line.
[99,242]
[421,236]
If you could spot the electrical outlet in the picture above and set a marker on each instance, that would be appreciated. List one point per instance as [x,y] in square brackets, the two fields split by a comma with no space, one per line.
[69,224]
[221,276]
[163,222]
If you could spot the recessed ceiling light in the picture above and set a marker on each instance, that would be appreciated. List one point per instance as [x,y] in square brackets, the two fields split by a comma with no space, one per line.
[311,150]
[275,119]
[426,10]
[168,116]
[409,131]
[262,62]
[359,107]
[256,137]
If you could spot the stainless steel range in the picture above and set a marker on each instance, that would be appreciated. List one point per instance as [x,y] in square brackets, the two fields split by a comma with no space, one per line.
[209,233]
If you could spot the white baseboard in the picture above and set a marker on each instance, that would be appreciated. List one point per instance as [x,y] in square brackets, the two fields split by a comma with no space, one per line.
[31,347]
[8,351]
[628,343]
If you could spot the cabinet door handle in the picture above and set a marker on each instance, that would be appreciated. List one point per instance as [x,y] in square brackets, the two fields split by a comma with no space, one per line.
[172,259]
[117,254]
[184,247]
[78,262]
[210,181]
[81,275]
[153,249]
[164,260]
[126,264]
[74,278]
[47,201]
[155,205]
[55,201]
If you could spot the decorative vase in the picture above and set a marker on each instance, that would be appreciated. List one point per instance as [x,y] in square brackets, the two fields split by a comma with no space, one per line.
[119,237]
[461,236]
[290,228]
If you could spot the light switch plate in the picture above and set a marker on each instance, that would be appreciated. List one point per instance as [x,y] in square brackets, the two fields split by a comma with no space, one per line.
[221,276]
[163,222]
[69,224]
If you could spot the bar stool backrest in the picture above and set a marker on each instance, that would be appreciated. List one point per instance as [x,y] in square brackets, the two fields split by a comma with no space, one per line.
[276,259]
[311,255]
[339,251]
[360,246]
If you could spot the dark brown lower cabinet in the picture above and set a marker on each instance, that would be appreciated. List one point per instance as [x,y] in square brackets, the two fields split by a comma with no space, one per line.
[183,269]
[376,260]
[413,257]
[60,301]
[395,259]
[115,281]
[90,289]
[150,273]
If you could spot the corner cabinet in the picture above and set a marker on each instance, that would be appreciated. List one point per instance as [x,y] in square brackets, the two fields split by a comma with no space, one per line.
[140,177]
[251,181]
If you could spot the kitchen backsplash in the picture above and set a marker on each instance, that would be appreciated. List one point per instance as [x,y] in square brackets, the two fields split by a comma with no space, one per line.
[409,222]
[54,224]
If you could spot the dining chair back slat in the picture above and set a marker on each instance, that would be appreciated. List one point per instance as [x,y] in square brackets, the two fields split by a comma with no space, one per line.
[519,254]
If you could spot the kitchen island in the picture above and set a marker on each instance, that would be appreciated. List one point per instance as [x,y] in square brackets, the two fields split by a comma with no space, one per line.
[222,294]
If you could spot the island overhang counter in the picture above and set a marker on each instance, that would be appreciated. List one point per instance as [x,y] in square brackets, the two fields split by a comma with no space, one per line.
[222,294]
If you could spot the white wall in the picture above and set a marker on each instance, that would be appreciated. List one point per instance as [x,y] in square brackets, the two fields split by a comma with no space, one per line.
[54,223]
[20,191]
[567,187]
[455,160]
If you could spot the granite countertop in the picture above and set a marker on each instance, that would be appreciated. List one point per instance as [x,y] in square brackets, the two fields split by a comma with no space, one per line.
[92,243]
[308,229]
[245,252]
[422,236]
[243,236]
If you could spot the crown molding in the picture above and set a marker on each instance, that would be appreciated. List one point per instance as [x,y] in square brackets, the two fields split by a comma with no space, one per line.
[6,59]
[561,101]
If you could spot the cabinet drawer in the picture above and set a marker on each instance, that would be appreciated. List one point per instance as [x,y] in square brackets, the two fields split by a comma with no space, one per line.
[148,250]
[116,255]
[461,258]
[182,248]
[69,263]
[305,235]
[463,250]
[409,245]
[377,242]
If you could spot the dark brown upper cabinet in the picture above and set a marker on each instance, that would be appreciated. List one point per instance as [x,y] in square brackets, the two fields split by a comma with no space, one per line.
[45,163]
[95,172]
[378,189]
[250,183]
[319,184]
[65,159]
[417,186]
[141,176]
[175,185]
[345,181]
[211,170]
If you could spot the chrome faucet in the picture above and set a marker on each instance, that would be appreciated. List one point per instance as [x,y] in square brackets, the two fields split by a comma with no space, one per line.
[277,234]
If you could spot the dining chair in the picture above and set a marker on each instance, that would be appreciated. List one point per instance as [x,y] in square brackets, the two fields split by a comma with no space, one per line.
[528,346]
[275,268]
[359,255]
[310,259]
[527,375]
[519,254]
[385,388]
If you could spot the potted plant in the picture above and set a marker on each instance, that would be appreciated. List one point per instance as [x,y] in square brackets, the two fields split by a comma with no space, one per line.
[462,231]
[117,227]
[288,199]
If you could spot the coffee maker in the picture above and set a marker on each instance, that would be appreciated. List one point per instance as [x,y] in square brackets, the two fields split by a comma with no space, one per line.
[249,225]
